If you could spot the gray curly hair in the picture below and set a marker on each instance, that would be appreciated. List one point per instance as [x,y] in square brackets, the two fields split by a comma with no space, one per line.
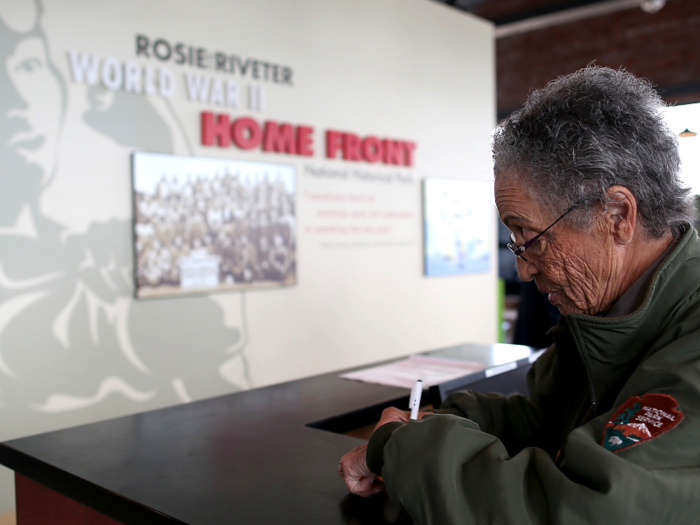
[588,131]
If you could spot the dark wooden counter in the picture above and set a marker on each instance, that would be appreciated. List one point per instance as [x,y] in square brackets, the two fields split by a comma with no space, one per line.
[261,456]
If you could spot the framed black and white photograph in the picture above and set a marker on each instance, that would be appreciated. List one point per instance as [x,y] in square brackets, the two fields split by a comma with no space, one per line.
[206,224]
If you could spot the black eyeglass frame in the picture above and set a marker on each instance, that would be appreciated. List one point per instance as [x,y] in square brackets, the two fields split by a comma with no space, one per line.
[518,250]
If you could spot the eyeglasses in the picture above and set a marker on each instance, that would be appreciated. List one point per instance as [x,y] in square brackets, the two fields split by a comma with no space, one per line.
[518,250]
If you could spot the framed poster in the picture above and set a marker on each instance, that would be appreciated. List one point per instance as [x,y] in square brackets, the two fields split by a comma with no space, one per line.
[458,220]
[205,224]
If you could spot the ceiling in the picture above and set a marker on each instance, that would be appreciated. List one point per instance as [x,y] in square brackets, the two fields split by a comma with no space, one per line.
[502,12]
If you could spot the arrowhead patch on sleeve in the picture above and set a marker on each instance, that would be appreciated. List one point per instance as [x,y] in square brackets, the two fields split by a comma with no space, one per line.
[640,419]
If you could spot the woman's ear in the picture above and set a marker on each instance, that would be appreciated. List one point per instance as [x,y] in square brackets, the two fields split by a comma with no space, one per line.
[621,214]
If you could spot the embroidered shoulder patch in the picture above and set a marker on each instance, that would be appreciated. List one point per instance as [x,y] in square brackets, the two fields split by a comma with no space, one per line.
[640,419]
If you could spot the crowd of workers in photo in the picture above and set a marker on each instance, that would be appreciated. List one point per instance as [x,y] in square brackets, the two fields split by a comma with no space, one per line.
[247,222]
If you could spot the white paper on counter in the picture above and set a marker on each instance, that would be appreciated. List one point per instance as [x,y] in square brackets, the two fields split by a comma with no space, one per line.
[403,373]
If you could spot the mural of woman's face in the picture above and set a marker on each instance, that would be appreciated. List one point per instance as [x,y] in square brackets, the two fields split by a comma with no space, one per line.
[34,104]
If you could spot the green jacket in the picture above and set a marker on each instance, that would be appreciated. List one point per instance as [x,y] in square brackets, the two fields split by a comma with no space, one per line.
[489,459]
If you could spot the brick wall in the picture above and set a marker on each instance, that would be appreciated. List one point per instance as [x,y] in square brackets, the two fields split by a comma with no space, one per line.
[663,47]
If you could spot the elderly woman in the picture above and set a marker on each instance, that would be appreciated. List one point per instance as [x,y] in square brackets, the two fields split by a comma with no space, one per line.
[586,178]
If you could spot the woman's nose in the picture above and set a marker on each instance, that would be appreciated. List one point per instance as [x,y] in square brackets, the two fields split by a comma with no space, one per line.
[526,270]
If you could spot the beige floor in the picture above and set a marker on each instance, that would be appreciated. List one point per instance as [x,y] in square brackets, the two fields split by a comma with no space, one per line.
[8,519]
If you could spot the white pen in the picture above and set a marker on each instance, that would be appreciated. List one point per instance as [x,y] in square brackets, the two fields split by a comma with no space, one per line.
[414,403]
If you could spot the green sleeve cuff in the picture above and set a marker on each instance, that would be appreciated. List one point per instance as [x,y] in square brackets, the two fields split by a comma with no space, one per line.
[453,411]
[375,447]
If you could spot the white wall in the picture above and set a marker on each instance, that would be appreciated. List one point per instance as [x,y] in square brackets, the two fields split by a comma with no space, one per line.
[74,346]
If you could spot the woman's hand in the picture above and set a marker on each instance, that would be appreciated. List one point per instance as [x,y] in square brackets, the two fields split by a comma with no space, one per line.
[356,474]
[394,414]
[353,467]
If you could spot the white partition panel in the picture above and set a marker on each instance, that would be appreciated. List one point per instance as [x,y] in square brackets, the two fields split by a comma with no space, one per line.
[364,98]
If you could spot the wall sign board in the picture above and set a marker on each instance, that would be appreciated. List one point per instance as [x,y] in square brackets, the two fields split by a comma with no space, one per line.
[458,219]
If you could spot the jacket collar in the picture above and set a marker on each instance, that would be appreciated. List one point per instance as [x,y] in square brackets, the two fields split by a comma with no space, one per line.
[612,347]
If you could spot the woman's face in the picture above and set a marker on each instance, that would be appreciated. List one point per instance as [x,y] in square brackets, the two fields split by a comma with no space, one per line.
[576,269]
[35,105]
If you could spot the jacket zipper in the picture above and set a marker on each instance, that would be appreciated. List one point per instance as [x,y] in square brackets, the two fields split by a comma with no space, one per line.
[594,404]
